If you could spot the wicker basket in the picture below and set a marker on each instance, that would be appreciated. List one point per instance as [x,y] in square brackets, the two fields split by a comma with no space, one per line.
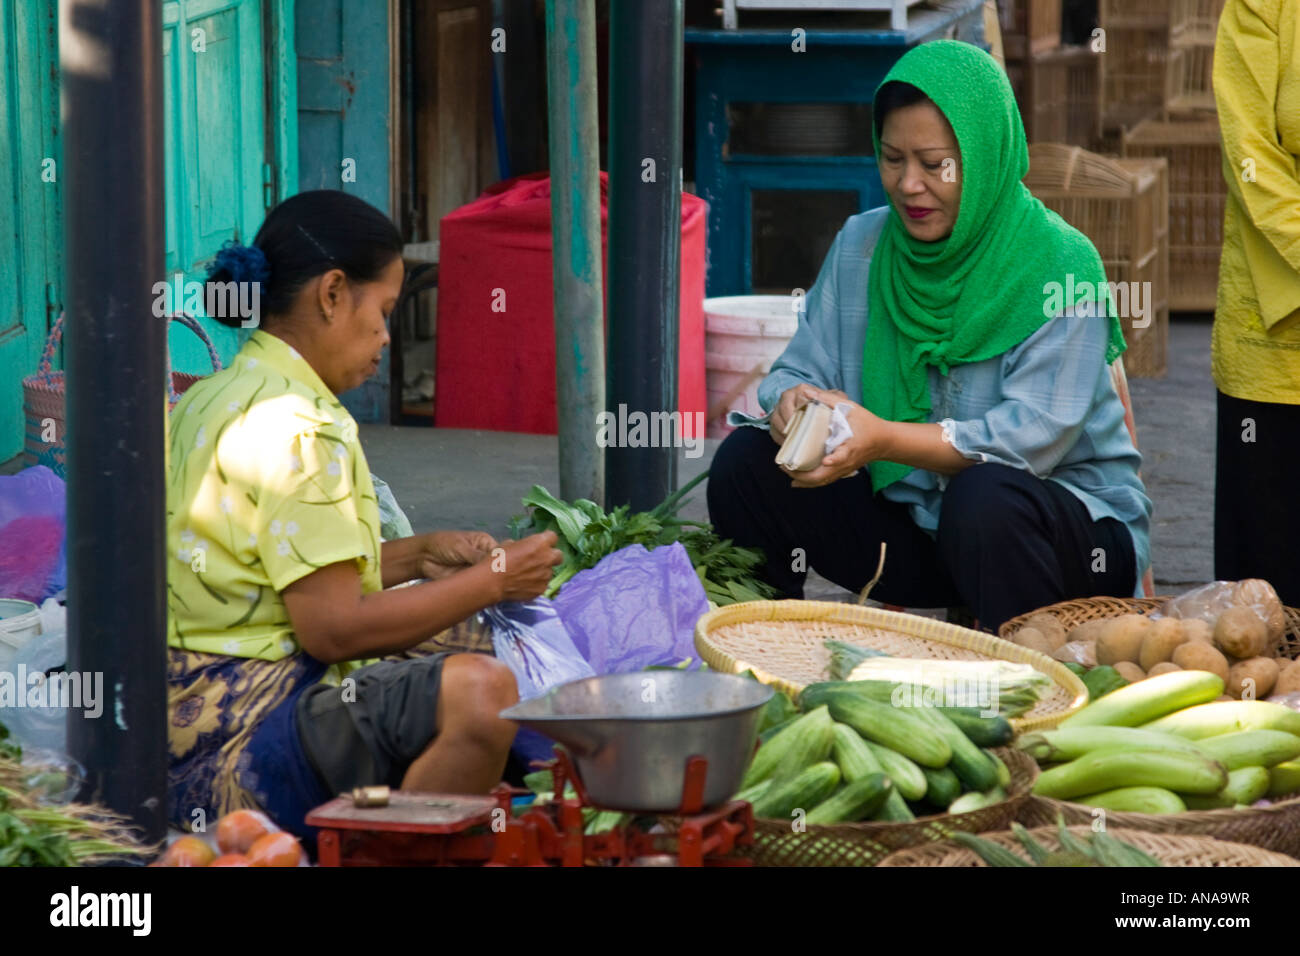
[44,398]
[1276,827]
[1122,206]
[1197,194]
[777,843]
[782,643]
[1169,849]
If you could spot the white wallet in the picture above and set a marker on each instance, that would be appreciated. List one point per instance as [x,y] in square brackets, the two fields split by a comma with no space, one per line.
[805,441]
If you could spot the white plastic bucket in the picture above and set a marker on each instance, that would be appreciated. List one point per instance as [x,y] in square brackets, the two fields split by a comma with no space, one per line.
[744,335]
[20,621]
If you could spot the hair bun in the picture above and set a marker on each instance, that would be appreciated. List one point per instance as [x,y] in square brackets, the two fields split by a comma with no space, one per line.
[242,263]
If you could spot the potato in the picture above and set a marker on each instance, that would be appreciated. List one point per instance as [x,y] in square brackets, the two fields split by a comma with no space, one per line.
[1194,629]
[1034,639]
[1122,639]
[1262,671]
[1222,697]
[1087,631]
[1049,626]
[1077,652]
[1130,672]
[1158,646]
[1195,656]
[1259,595]
[1288,680]
[1164,667]
[1241,632]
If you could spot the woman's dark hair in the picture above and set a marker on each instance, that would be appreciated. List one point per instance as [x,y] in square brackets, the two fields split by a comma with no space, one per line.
[301,238]
[894,95]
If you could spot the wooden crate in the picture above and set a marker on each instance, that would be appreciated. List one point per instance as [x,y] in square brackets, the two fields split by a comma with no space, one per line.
[1122,206]
[1133,74]
[1189,82]
[1139,14]
[1058,96]
[1197,193]
[1029,27]
[1194,22]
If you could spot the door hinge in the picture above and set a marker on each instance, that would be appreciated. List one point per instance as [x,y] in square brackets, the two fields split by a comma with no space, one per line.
[268,185]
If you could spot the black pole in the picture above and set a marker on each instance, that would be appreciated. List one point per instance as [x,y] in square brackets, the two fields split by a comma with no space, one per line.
[110,64]
[645,162]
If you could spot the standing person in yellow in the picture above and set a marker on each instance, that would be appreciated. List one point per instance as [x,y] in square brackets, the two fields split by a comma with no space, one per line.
[1256,348]
[276,572]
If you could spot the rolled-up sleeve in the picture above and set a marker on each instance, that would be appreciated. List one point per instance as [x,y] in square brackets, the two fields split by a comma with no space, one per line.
[1049,382]
[810,358]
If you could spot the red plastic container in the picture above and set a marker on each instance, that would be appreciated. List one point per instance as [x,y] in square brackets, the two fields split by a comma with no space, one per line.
[495,366]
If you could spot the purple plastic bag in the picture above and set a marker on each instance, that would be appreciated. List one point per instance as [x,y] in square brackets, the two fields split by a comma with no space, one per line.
[633,609]
[33,565]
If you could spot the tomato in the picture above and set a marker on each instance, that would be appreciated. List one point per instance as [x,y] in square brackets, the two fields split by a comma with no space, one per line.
[238,831]
[275,849]
[188,851]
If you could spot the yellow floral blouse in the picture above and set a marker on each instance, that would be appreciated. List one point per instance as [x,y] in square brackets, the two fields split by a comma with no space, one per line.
[267,483]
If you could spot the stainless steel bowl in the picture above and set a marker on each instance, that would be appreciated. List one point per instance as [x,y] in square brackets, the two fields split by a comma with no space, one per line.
[631,734]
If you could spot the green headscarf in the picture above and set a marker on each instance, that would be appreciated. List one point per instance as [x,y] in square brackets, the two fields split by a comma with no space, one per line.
[982,290]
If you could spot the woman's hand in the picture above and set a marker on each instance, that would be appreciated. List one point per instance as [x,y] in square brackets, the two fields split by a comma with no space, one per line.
[445,552]
[524,567]
[792,399]
[865,445]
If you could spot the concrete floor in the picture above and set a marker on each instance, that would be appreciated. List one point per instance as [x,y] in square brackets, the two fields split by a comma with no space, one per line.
[474,479]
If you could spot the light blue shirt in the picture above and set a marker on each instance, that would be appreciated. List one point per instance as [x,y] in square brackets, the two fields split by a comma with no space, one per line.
[1046,406]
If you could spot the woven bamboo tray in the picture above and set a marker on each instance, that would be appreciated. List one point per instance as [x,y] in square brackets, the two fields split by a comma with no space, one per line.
[1168,849]
[781,642]
[776,843]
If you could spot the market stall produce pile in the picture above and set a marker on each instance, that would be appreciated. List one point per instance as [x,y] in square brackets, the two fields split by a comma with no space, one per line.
[1166,745]
[847,753]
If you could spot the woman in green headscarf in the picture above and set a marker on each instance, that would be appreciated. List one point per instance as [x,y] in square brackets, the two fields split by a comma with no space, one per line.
[965,332]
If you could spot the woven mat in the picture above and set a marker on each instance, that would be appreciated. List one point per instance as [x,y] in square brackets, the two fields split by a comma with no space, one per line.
[1169,849]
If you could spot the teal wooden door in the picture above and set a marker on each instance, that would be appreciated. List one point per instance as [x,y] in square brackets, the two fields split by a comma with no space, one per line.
[216,153]
[344,126]
[31,233]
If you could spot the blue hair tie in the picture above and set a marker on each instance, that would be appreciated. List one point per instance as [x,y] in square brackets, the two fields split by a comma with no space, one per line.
[243,263]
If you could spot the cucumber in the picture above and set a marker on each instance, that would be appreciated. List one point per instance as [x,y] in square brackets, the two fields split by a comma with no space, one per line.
[942,787]
[1245,786]
[750,794]
[1003,771]
[857,761]
[1113,767]
[1252,748]
[907,776]
[1135,800]
[895,727]
[856,801]
[804,742]
[974,800]
[771,732]
[1226,717]
[972,766]
[982,731]
[1284,779]
[1069,743]
[1146,700]
[805,791]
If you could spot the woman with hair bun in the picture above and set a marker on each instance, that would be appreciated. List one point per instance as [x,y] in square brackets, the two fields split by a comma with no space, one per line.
[296,668]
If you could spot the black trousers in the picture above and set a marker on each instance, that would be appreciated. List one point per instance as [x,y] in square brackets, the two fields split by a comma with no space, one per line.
[1256,510]
[1008,542]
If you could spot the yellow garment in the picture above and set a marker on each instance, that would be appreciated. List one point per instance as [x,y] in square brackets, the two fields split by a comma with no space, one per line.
[1256,342]
[268,482]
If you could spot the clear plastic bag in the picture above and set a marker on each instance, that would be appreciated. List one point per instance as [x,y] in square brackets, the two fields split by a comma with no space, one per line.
[1209,601]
